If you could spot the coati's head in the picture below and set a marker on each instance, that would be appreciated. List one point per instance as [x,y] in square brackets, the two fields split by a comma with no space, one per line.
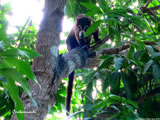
[81,26]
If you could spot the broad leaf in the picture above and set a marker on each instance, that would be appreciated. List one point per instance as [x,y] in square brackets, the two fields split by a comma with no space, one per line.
[156,72]
[12,74]
[108,60]
[21,66]
[118,62]
[156,56]
[150,49]
[140,23]
[147,66]
[13,52]
[14,93]
[93,28]
[126,84]
[115,82]
[91,7]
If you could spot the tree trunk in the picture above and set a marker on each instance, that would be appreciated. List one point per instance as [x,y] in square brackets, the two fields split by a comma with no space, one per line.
[48,36]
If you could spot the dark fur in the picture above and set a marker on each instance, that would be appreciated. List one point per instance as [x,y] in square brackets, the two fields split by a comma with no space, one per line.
[74,40]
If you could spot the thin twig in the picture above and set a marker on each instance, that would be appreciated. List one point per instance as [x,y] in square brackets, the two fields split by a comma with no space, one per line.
[74,114]
[98,44]
[20,34]
[111,51]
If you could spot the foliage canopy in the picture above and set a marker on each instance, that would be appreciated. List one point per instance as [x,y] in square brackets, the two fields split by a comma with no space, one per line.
[123,86]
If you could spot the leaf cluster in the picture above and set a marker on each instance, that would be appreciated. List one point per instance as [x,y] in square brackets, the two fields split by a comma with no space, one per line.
[15,66]
[123,86]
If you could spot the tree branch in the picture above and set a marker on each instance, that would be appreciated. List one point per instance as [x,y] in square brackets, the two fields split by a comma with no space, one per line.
[94,61]
[98,44]
[146,5]
[110,51]
[150,10]
[155,7]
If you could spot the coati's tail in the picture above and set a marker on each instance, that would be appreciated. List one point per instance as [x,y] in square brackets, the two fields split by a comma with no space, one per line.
[69,91]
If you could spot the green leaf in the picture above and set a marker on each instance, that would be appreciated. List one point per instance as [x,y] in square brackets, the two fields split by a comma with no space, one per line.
[156,56]
[93,28]
[126,84]
[156,72]
[13,52]
[14,93]
[30,53]
[129,80]
[140,23]
[131,52]
[2,46]
[88,107]
[14,75]
[158,27]
[89,93]
[90,13]
[104,6]
[118,62]
[138,54]
[91,7]
[133,103]
[21,66]
[120,12]
[10,73]
[150,49]
[105,83]
[99,105]
[115,82]
[70,7]
[131,108]
[117,98]
[147,66]
[3,79]
[107,62]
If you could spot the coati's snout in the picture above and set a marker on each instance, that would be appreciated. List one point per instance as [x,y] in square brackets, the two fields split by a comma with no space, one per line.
[81,34]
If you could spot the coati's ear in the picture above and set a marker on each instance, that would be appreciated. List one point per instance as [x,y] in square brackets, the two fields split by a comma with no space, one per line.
[77,18]
[80,16]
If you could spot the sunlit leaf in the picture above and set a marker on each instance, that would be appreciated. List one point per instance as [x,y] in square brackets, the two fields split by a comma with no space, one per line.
[21,66]
[140,23]
[14,93]
[15,76]
[13,52]
[91,7]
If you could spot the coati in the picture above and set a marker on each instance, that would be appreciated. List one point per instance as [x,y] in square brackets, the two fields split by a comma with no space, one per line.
[76,38]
